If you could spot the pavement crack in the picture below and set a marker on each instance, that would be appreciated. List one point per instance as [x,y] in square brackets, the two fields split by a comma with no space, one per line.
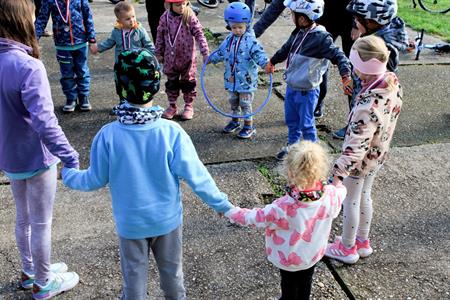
[338,278]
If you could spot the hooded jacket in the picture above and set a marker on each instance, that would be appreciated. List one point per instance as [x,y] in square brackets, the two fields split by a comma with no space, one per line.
[79,27]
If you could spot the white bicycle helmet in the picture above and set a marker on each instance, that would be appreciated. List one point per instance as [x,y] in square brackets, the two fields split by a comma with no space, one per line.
[313,9]
[380,11]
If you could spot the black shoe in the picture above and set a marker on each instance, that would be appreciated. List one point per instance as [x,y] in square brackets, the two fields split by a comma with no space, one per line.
[115,1]
[84,103]
[69,106]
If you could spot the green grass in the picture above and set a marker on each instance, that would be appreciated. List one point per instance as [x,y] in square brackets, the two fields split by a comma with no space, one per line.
[417,18]
[277,182]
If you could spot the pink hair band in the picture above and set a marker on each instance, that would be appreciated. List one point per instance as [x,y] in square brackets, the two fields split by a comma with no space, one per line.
[371,67]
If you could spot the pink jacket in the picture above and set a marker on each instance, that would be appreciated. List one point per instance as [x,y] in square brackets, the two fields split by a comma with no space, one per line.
[371,124]
[178,51]
[296,232]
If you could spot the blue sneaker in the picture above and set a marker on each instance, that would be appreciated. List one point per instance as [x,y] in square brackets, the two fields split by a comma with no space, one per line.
[27,280]
[231,127]
[246,132]
[60,283]
[340,134]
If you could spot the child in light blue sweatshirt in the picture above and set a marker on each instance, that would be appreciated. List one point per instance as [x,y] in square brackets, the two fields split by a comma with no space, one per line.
[142,158]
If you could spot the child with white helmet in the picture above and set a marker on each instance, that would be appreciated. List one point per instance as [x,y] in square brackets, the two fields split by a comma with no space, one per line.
[378,17]
[307,51]
[242,54]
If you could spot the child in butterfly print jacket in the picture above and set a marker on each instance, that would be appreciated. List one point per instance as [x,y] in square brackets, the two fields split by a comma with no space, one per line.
[298,224]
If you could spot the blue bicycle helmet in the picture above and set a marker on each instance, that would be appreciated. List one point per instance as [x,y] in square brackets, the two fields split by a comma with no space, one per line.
[237,12]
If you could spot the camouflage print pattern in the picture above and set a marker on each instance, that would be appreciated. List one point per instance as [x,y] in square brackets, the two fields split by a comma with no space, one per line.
[137,76]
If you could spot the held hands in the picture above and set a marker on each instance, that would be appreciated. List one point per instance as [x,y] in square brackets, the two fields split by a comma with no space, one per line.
[347,85]
[270,68]
[93,48]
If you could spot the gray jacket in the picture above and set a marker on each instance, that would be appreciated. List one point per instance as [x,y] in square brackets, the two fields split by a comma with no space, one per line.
[308,60]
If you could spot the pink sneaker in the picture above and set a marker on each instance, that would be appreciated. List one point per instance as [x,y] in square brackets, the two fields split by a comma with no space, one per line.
[188,113]
[170,112]
[363,247]
[338,251]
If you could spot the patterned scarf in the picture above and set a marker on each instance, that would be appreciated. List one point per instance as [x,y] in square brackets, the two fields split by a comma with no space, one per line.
[128,114]
[305,196]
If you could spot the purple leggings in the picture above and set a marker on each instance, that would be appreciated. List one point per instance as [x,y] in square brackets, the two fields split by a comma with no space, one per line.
[34,199]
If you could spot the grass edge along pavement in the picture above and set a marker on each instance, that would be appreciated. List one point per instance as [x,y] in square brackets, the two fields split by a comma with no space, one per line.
[417,19]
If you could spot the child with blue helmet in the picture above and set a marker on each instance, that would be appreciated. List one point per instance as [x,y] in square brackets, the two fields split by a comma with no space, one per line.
[307,53]
[242,55]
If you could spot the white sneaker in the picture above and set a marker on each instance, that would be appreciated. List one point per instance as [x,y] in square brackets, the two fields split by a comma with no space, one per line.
[60,283]
[27,280]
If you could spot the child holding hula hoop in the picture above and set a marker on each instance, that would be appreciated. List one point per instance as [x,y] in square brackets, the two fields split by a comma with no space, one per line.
[242,54]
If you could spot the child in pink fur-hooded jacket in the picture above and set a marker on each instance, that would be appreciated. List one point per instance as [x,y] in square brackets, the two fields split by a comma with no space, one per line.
[175,48]
[298,224]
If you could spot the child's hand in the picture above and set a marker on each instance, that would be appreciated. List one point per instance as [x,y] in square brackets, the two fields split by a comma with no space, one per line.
[205,59]
[336,181]
[355,34]
[347,85]
[270,68]
[93,48]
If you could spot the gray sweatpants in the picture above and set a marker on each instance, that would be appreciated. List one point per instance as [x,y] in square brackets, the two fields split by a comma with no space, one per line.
[134,262]
[34,198]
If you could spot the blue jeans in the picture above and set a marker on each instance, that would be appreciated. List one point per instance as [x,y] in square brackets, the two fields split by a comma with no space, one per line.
[299,114]
[75,77]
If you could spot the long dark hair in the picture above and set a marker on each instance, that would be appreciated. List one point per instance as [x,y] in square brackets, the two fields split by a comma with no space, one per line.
[16,23]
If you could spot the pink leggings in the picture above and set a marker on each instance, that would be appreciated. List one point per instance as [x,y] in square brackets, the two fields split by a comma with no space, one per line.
[34,199]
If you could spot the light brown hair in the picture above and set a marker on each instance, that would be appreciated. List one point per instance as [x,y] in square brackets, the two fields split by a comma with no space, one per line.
[305,164]
[371,46]
[187,13]
[122,6]
[16,23]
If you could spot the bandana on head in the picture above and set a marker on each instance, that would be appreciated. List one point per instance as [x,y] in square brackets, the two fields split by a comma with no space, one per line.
[371,67]
[137,75]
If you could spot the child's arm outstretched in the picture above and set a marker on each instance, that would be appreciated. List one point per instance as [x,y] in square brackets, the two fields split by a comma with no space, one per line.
[337,57]
[96,176]
[197,33]
[258,54]
[282,54]
[218,55]
[106,44]
[188,166]
[272,216]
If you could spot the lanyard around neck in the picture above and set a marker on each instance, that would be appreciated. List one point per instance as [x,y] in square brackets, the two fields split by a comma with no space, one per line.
[235,50]
[129,39]
[67,10]
[172,43]
[299,45]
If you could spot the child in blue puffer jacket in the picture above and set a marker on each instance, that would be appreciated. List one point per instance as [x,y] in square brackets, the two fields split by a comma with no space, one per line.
[242,54]
[73,28]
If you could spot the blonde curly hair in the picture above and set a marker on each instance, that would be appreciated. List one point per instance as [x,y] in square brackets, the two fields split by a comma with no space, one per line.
[305,164]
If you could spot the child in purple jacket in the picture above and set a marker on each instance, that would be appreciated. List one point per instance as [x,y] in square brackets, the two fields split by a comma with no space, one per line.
[31,145]
[175,48]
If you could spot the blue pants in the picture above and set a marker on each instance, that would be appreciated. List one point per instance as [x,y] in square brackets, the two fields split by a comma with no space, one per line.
[299,114]
[75,77]
[134,262]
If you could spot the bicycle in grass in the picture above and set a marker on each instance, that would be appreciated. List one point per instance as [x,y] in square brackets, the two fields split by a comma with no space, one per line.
[433,6]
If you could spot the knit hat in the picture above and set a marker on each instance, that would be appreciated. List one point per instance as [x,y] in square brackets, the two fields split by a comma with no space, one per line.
[137,76]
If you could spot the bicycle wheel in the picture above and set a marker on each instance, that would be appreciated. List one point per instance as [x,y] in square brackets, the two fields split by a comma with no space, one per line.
[209,3]
[435,6]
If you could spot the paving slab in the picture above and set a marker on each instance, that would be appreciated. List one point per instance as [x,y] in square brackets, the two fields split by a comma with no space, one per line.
[410,229]
[220,261]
